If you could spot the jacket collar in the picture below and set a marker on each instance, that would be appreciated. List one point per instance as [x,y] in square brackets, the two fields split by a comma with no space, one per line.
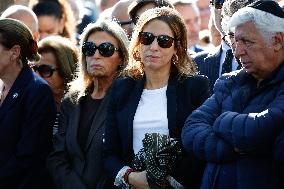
[17,89]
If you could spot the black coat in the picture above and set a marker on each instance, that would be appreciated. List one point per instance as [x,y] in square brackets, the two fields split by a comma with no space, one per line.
[183,96]
[26,119]
[71,166]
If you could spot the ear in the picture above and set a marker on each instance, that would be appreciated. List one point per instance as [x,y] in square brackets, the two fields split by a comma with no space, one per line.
[36,36]
[278,43]
[15,52]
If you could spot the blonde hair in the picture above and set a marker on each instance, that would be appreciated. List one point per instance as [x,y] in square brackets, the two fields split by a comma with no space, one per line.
[181,61]
[83,82]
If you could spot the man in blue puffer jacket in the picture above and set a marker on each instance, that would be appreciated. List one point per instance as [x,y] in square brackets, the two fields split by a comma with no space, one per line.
[235,129]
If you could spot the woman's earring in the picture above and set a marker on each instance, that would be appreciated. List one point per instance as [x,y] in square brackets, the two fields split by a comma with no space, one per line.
[136,56]
[175,59]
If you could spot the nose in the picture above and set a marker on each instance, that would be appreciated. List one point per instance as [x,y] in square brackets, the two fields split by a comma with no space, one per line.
[154,45]
[97,54]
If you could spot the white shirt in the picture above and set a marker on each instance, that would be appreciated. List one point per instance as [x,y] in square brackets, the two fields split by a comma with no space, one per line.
[151,116]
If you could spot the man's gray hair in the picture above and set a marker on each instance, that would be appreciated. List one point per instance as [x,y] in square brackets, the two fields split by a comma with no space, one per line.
[266,23]
[229,8]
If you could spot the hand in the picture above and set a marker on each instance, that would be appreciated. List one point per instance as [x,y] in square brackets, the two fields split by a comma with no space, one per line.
[138,180]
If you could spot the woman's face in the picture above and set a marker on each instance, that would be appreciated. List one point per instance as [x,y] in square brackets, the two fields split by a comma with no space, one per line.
[98,65]
[50,25]
[5,60]
[153,56]
[55,81]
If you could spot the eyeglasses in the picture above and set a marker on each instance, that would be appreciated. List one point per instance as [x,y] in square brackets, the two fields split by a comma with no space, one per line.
[122,23]
[147,38]
[44,70]
[105,49]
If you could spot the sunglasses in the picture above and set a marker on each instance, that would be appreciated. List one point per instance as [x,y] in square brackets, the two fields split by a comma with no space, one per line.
[164,41]
[105,49]
[44,70]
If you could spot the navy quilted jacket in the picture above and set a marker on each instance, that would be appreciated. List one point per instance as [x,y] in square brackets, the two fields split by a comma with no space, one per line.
[234,131]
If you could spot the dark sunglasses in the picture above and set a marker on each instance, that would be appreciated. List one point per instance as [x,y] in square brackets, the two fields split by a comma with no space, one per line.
[44,70]
[105,49]
[164,41]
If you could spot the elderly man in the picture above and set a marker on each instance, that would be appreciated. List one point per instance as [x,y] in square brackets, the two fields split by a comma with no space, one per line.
[235,129]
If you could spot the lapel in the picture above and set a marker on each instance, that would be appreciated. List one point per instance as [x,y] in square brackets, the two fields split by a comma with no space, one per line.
[16,91]
[71,137]
[212,63]
[133,103]
[171,103]
[98,120]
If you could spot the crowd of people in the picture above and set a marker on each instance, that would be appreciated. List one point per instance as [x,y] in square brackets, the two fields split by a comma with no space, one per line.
[142,94]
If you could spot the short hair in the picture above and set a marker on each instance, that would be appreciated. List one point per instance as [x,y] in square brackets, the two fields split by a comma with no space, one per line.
[266,23]
[138,4]
[65,52]
[18,9]
[229,8]
[83,83]
[14,32]
[182,62]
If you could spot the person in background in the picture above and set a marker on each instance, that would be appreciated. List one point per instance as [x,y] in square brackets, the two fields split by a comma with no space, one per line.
[221,60]
[137,7]
[204,9]
[76,161]
[59,60]
[121,16]
[235,129]
[105,4]
[55,18]
[25,15]
[27,111]
[154,94]
[190,13]
[215,36]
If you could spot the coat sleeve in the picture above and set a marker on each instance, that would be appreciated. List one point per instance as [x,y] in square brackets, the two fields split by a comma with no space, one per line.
[58,162]
[35,136]
[113,162]
[198,136]
[252,132]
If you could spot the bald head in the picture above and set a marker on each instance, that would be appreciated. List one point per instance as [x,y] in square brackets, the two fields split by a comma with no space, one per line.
[23,14]
[120,13]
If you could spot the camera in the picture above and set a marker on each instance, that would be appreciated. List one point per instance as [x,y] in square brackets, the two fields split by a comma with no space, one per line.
[217,4]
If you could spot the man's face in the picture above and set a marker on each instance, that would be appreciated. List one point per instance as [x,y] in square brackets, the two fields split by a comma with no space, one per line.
[204,10]
[191,20]
[258,57]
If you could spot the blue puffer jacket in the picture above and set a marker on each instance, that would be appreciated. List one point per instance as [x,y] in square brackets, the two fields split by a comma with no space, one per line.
[234,131]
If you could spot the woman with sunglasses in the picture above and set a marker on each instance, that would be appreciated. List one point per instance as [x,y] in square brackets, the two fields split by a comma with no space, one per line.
[159,90]
[59,58]
[27,111]
[76,161]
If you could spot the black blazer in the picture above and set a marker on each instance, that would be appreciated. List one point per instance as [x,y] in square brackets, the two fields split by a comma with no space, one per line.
[26,119]
[183,96]
[209,64]
[69,164]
